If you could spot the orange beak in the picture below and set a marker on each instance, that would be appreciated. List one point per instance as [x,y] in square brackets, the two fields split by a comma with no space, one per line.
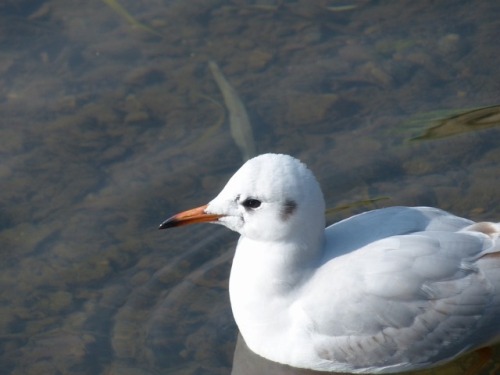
[195,215]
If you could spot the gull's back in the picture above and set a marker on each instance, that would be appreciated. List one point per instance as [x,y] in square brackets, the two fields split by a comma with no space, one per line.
[420,289]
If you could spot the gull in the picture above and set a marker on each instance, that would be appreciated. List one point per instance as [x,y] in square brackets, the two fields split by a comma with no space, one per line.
[389,290]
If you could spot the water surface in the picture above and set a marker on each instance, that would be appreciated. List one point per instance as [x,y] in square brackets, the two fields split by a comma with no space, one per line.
[109,127]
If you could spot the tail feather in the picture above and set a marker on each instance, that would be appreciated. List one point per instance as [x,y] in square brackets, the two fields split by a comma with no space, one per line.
[492,230]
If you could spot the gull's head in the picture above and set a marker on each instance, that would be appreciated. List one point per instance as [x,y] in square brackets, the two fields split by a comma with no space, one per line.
[270,198]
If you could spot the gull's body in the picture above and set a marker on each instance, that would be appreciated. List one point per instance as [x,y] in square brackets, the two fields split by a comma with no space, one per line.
[389,290]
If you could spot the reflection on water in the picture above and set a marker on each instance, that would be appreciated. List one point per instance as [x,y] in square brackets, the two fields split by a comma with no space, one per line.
[107,129]
[245,362]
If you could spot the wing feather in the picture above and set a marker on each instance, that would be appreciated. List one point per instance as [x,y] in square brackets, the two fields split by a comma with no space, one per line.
[417,299]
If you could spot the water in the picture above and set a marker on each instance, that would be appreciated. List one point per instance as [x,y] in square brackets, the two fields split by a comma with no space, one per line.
[108,128]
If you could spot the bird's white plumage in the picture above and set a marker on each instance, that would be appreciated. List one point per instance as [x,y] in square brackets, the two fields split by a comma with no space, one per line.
[388,290]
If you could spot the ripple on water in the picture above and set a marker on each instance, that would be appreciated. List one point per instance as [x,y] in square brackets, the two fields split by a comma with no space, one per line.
[181,315]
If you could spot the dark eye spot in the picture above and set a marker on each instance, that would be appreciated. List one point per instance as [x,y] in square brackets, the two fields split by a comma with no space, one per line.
[288,209]
[251,203]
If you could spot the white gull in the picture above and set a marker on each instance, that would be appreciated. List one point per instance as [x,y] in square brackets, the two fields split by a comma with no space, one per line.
[389,290]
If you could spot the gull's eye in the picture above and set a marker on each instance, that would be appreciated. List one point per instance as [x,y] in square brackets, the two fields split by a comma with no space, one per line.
[250,203]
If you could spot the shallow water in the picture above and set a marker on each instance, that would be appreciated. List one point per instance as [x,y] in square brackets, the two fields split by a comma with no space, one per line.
[108,128]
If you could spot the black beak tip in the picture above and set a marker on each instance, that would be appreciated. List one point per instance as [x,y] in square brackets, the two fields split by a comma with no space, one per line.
[166,224]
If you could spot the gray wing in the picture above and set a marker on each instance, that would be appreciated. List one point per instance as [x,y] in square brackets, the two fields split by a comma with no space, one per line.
[344,236]
[408,301]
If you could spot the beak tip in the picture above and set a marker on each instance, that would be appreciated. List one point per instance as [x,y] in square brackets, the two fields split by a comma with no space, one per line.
[195,215]
[166,224]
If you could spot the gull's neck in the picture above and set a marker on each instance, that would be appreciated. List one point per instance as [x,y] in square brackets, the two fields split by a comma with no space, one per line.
[265,279]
